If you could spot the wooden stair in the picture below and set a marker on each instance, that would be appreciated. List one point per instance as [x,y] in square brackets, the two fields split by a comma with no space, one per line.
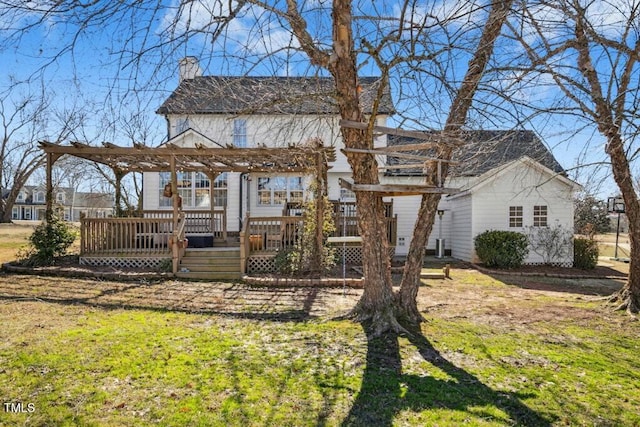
[210,264]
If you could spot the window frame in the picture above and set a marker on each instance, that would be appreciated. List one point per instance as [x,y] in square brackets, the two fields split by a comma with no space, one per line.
[540,216]
[239,134]
[194,187]
[516,217]
[279,190]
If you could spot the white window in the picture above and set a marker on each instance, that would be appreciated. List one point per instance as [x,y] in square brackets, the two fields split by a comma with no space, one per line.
[195,190]
[515,216]
[346,194]
[539,216]
[240,133]
[27,214]
[20,197]
[39,196]
[60,197]
[277,190]
[15,213]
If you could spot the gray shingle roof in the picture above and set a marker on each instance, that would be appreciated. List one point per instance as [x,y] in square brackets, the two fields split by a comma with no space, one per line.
[265,95]
[485,150]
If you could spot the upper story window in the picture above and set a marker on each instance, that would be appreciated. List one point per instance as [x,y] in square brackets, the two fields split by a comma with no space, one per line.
[60,197]
[39,197]
[540,216]
[240,133]
[515,216]
[20,197]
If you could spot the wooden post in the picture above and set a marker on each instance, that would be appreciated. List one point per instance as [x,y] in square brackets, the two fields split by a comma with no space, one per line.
[212,177]
[51,159]
[118,191]
[321,191]
[244,245]
[174,196]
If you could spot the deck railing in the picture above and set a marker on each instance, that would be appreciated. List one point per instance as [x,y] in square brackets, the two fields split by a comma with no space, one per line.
[125,236]
[199,222]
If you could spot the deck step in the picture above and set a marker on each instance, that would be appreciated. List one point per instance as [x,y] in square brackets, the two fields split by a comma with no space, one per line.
[210,264]
[199,275]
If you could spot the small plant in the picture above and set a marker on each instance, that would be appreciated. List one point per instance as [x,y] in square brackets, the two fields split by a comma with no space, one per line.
[501,249]
[49,241]
[585,253]
[552,243]
[166,265]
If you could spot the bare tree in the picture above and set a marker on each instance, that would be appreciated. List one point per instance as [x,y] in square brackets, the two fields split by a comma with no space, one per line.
[418,47]
[25,119]
[588,52]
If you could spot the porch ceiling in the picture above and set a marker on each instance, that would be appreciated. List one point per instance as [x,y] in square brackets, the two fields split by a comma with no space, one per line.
[297,158]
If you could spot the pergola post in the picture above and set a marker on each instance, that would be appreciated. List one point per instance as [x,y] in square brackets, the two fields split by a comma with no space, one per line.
[51,159]
[320,177]
[176,212]
[118,174]
[212,177]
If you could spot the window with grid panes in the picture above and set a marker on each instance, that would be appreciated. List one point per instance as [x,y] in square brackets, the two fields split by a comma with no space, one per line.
[539,216]
[277,190]
[515,216]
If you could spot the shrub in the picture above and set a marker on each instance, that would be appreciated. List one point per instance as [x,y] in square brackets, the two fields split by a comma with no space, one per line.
[501,249]
[585,253]
[49,241]
[552,243]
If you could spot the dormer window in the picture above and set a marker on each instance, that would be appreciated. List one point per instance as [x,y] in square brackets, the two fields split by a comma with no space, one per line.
[20,197]
[60,197]
[39,196]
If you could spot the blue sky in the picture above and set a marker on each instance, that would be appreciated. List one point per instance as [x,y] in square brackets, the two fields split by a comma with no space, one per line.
[104,71]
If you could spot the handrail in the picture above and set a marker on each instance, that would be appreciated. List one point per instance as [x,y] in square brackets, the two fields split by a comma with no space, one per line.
[125,236]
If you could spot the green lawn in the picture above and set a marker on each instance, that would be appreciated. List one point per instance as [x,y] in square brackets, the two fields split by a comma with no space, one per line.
[494,352]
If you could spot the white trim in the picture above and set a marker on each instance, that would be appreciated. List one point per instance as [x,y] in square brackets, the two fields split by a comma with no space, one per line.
[499,171]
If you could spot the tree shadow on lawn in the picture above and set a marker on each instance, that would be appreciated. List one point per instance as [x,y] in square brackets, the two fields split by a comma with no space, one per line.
[386,391]
[582,286]
[233,300]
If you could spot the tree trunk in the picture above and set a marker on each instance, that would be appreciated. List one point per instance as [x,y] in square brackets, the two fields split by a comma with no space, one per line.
[376,307]
[408,306]
[407,296]
[628,298]
[609,120]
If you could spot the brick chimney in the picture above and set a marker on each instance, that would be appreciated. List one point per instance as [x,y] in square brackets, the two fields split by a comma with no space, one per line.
[189,68]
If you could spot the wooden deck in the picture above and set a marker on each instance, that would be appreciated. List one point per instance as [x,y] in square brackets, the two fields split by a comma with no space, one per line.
[156,238]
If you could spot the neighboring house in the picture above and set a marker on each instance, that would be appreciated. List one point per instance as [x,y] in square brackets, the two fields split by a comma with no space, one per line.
[31,204]
[507,179]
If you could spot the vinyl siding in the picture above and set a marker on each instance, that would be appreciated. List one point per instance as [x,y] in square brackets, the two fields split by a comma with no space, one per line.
[527,187]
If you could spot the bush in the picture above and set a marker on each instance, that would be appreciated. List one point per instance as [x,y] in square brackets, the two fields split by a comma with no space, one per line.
[501,249]
[49,241]
[552,243]
[585,253]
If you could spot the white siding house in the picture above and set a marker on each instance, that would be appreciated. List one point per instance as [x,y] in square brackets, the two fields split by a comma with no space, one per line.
[497,170]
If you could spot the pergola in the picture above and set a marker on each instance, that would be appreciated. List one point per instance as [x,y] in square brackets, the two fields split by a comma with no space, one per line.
[311,157]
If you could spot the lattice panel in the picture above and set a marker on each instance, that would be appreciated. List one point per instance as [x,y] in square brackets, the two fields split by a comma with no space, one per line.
[261,264]
[354,254]
[146,262]
[553,264]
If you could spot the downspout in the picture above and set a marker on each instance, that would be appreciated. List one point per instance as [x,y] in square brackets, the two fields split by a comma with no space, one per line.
[240,215]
